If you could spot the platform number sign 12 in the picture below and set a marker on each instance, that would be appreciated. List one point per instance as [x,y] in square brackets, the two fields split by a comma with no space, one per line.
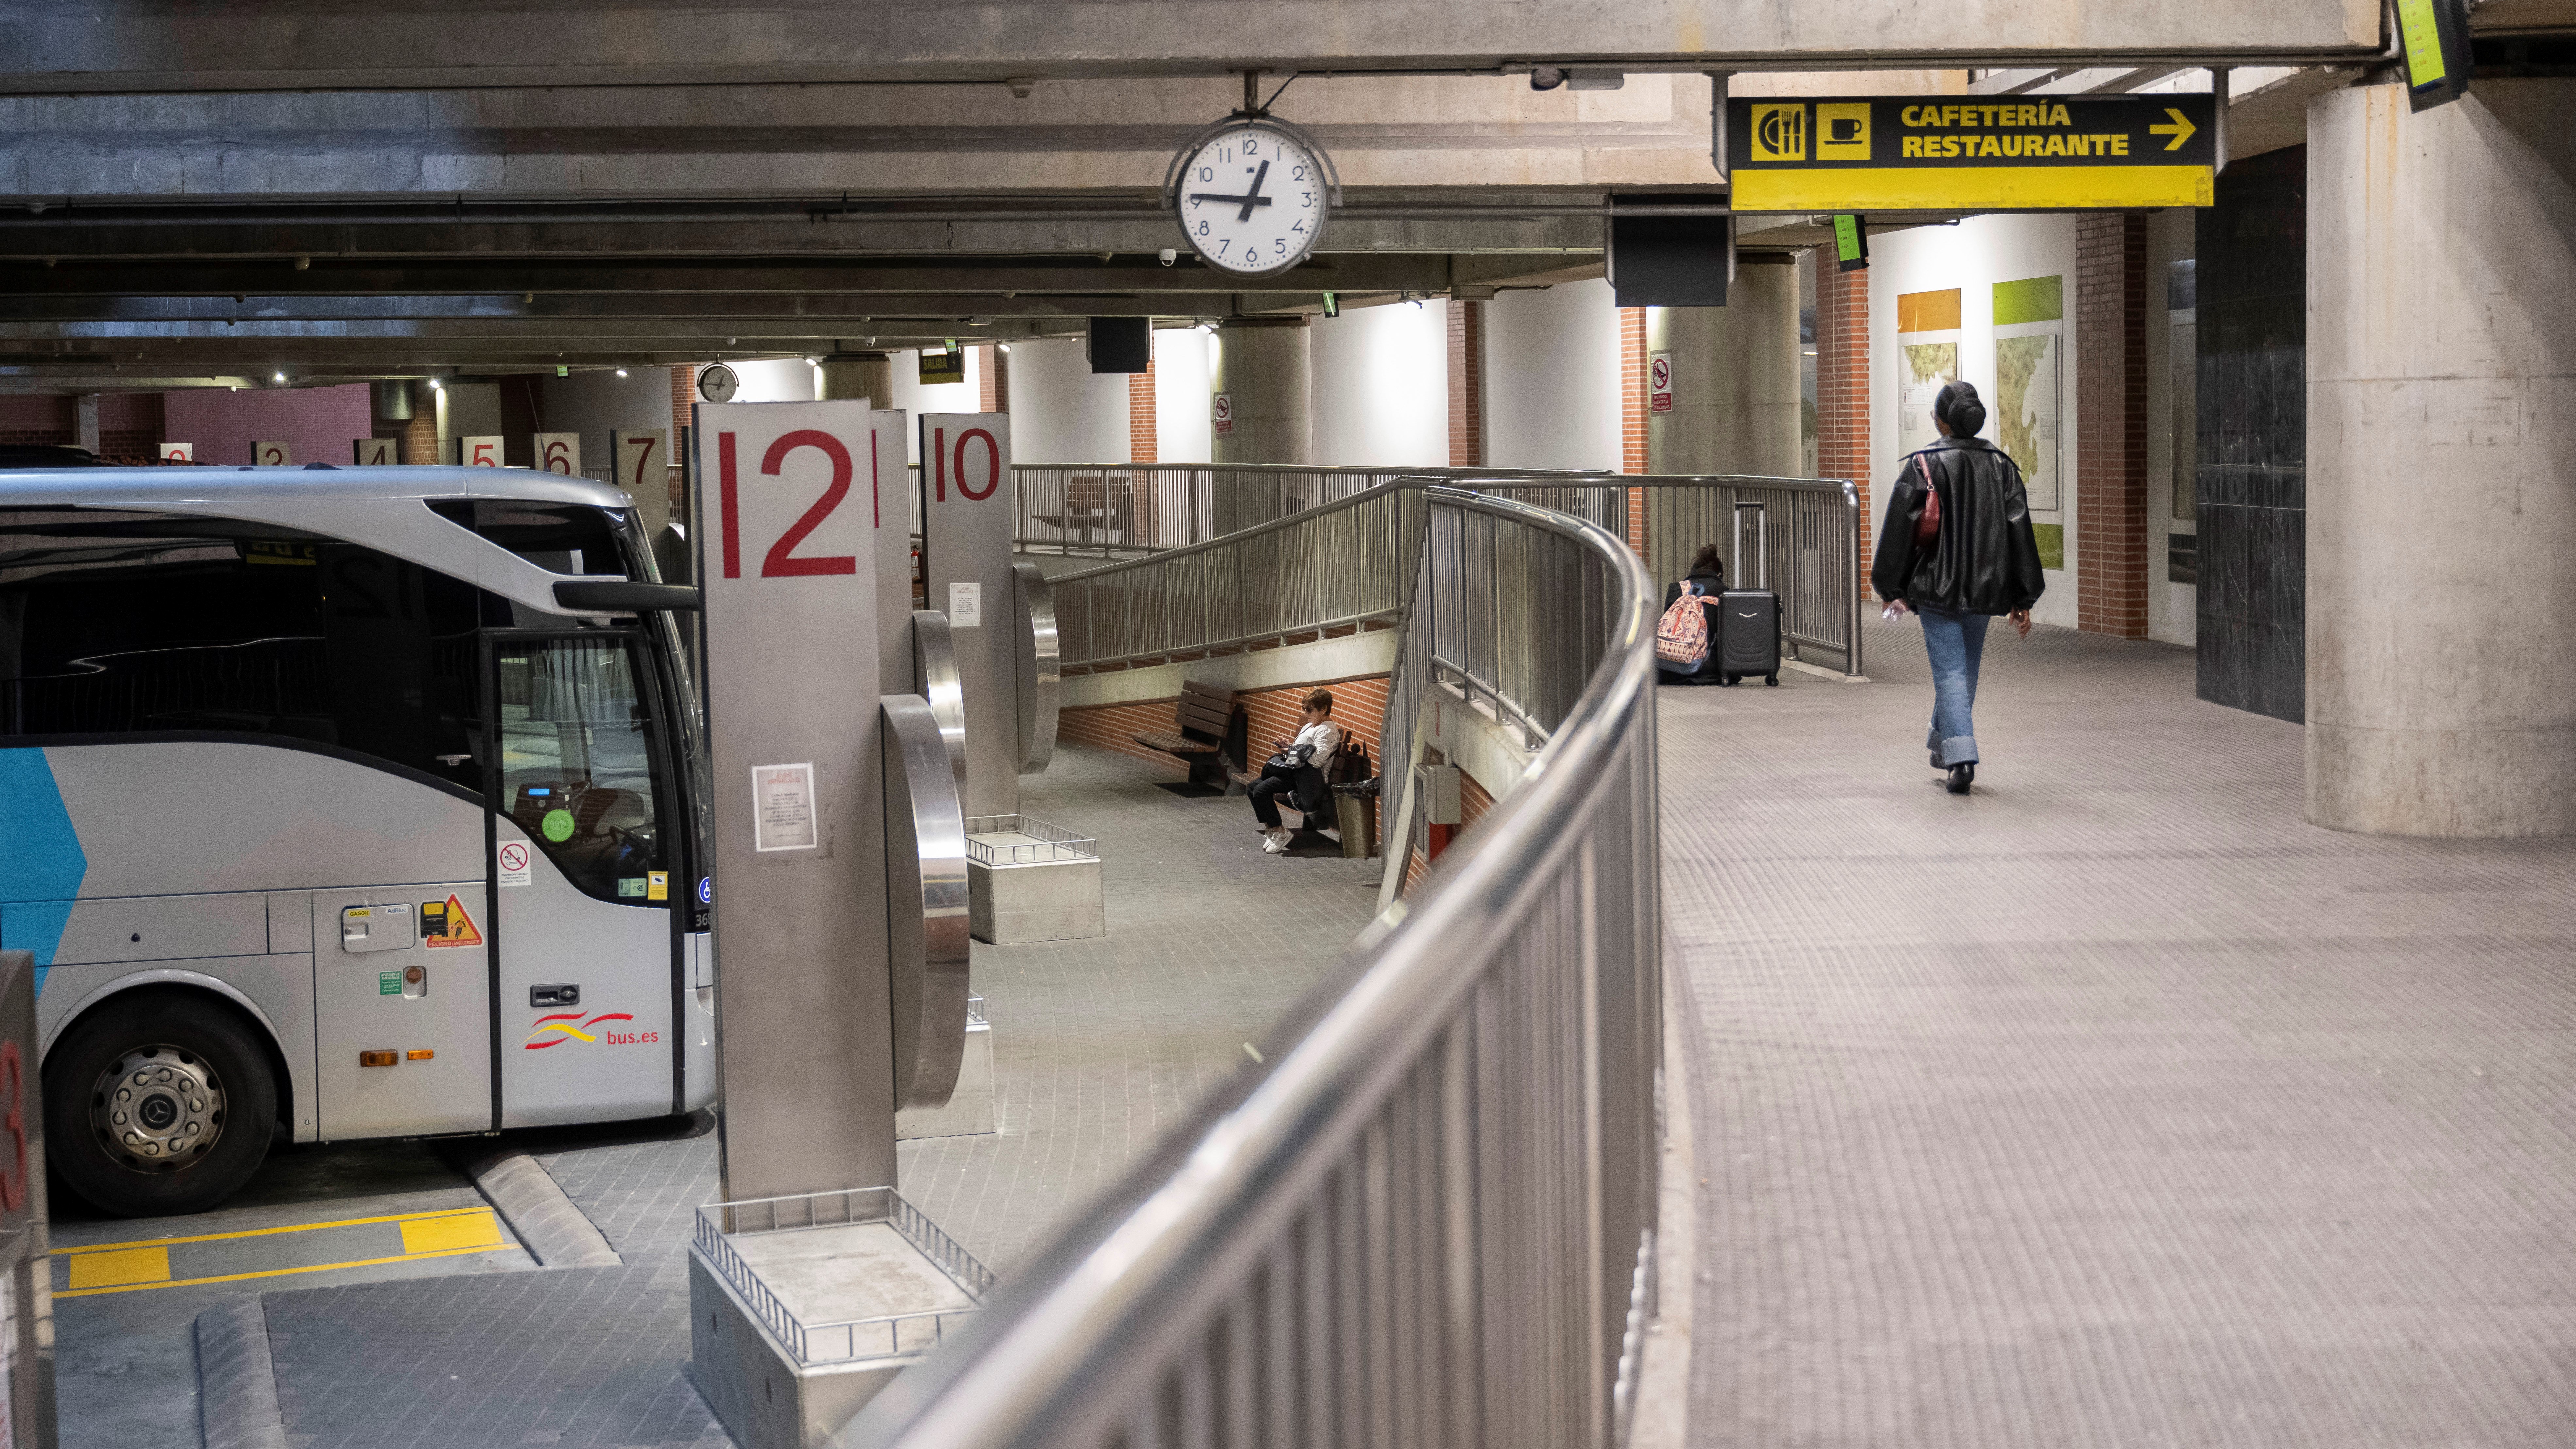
[794,488]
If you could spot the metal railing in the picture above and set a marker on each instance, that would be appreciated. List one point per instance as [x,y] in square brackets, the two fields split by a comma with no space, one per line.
[847,1340]
[1039,842]
[1347,563]
[1329,569]
[1420,1220]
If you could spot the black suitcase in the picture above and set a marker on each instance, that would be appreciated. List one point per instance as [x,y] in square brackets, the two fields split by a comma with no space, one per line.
[1748,624]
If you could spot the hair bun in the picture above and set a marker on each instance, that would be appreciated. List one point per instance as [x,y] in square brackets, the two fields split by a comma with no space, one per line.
[1957,404]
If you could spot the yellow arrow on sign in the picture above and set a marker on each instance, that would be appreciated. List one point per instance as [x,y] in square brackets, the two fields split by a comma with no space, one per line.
[2181,130]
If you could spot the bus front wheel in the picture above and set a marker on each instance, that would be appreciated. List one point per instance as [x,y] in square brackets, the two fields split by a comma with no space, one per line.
[157,1105]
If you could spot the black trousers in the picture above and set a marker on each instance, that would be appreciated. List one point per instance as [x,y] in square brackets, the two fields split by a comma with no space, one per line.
[1265,793]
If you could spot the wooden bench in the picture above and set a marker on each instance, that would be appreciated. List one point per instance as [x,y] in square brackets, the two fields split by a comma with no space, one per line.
[1208,734]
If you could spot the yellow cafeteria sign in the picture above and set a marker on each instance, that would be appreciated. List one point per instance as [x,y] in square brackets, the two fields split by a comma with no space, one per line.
[2054,153]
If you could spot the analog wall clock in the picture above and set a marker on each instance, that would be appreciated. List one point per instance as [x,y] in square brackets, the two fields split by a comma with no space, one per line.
[717,384]
[1251,193]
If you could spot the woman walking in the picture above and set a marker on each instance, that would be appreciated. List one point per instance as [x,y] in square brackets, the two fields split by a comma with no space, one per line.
[1957,549]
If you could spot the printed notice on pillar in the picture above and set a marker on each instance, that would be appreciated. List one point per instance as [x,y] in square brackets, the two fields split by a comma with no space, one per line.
[1659,383]
[1223,418]
[782,804]
[966,606]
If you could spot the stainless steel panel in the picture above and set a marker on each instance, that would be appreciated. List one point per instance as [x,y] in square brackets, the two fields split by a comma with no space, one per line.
[926,921]
[804,1016]
[1041,671]
[966,545]
[934,674]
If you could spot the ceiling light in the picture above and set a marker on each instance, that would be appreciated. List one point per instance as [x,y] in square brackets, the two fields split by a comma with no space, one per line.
[281,377]
[1004,346]
[621,372]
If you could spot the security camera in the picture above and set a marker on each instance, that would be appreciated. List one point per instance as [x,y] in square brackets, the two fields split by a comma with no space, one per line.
[1167,256]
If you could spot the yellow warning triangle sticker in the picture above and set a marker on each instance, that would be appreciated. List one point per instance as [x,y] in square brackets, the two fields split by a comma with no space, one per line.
[460,927]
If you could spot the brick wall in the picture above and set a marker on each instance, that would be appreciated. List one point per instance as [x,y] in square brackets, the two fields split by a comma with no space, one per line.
[1473,802]
[1143,444]
[1466,384]
[993,382]
[420,435]
[684,391]
[1359,707]
[1632,416]
[318,423]
[1842,385]
[129,423]
[2111,424]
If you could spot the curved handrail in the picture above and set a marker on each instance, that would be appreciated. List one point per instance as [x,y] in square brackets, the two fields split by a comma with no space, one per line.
[1109,1325]
[1228,540]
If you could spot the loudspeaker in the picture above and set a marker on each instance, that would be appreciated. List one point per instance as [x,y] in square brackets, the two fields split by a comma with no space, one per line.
[1671,261]
[1121,344]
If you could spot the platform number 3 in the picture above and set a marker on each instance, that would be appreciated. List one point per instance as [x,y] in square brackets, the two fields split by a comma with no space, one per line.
[782,562]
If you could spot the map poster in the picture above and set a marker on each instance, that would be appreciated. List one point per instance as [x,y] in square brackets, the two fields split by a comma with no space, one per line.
[1927,357]
[2030,323]
[2026,396]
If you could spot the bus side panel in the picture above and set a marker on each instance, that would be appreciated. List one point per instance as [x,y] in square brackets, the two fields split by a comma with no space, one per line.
[163,817]
[608,1057]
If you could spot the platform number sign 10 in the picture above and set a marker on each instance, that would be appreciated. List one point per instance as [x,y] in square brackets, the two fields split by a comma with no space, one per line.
[1251,195]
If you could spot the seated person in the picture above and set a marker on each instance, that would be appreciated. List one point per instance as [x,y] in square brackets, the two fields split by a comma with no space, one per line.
[1296,769]
[1706,578]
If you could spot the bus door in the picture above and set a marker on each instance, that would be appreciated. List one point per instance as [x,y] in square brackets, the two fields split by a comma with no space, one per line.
[582,815]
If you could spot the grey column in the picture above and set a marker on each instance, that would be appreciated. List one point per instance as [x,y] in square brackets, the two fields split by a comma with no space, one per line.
[859,375]
[1735,380]
[2441,528]
[1266,369]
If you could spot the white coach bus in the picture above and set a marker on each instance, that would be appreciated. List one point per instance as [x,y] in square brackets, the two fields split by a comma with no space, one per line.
[342,803]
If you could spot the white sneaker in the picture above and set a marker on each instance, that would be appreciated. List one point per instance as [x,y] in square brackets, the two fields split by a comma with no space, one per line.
[1277,842]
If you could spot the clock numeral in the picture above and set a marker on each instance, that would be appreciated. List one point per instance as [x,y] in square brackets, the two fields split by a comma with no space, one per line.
[1299,228]
[1222,244]
[1251,148]
[1203,228]
[1300,176]
[1305,198]
[1207,173]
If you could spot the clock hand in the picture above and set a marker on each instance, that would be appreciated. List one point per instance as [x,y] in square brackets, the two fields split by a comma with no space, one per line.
[1212,196]
[1252,194]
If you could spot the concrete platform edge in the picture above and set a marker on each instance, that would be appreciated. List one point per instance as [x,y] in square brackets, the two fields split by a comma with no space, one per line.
[548,1223]
[1662,1416]
[236,1379]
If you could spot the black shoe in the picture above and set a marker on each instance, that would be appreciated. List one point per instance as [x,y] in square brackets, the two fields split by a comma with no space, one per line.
[1961,777]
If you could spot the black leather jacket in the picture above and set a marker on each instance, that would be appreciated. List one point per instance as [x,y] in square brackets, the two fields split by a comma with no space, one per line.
[1985,559]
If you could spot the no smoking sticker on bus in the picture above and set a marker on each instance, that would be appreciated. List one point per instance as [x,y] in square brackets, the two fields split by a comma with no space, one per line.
[514,862]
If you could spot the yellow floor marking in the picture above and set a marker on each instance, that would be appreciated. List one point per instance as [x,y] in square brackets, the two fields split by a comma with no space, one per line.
[452,1234]
[270,1232]
[130,1266]
[264,1273]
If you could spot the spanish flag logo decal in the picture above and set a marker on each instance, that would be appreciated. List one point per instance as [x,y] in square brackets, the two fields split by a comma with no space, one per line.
[556,1030]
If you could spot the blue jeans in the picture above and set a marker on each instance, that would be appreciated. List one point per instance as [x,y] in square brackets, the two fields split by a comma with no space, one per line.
[1955,642]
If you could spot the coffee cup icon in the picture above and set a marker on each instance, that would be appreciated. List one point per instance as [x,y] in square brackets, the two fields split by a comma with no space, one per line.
[1843,130]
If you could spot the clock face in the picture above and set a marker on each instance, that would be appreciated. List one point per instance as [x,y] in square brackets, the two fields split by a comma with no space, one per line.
[716,384]
[1251,199]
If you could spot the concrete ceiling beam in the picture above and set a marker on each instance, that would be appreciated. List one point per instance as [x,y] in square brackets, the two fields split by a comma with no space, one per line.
[102,45]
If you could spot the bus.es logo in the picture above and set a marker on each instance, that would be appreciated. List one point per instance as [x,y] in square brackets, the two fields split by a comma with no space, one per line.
[556,1030]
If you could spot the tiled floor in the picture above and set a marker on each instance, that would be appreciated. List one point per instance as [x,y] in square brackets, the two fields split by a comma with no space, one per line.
[2112,1104]
[1098,1046]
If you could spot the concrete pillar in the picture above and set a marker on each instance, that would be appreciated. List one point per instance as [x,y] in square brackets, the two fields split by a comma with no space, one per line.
[2441,462]
[1734,380]
[848,375]
[85,424]
[1264,370]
